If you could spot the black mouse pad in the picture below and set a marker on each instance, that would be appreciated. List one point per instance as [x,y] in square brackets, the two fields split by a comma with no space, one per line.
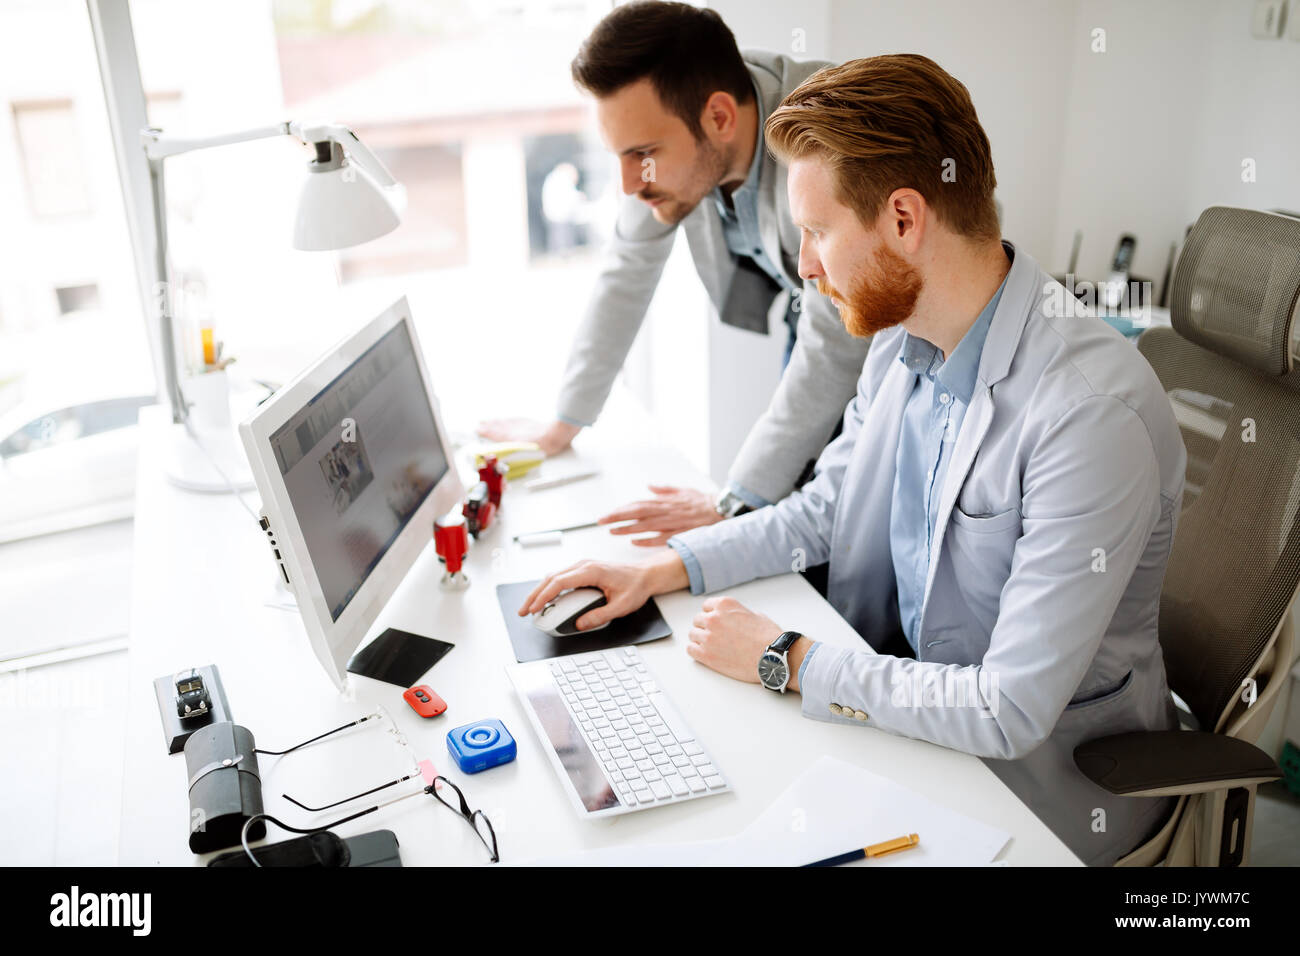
[530,644]
[398,657]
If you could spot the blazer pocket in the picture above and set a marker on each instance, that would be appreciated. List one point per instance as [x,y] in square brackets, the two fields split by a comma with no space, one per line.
[986,524]
[1103,696]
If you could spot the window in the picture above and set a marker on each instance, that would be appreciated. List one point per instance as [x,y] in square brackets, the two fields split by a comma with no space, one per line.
[472,146]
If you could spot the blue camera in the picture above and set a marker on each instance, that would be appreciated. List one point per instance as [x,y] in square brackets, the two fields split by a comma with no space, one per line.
[480,745]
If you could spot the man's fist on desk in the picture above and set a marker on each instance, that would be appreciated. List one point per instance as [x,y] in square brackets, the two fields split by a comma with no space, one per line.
[729,638]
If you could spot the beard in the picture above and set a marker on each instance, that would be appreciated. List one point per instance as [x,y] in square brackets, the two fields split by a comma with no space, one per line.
[710,166]
[882,295]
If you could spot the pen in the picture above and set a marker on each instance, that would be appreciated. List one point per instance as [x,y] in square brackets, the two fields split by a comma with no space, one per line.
[876,849]
[572,527]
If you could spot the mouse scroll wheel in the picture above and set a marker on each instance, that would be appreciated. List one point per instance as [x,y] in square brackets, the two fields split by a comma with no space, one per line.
[547,608]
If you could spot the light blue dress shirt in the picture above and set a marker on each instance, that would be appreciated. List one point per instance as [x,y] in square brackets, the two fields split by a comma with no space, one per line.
[932,417]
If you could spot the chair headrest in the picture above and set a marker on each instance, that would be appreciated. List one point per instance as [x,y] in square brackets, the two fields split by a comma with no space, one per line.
[1236,288]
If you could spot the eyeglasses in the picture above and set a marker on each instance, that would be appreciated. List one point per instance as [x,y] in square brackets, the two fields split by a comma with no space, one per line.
[475,818]
[422,769]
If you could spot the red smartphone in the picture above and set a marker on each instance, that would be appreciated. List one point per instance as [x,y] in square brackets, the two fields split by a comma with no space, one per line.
[424,701]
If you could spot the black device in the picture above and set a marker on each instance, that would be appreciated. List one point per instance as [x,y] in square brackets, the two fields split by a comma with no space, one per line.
[398,657]
[196,688]
[322,849]
[1122,261]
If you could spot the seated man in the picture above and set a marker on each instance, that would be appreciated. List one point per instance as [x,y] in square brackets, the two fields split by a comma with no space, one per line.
[1000,507]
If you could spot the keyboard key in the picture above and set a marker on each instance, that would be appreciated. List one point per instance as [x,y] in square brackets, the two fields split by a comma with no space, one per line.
[692,748]
[696,784]
[653,775]
[677,785]
[688,771]
[626,763]
[707,770]
[681,761]
[661,790]
[715,782]
[644,765]
[645,796]
[700,760]
[661,760]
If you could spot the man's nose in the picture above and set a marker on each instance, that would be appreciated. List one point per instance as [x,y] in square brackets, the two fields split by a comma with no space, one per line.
[632,182]
[810,267]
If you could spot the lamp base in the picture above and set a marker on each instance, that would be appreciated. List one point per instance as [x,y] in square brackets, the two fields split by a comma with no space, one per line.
[207,461]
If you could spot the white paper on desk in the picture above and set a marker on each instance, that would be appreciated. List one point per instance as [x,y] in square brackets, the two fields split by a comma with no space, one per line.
[836,806]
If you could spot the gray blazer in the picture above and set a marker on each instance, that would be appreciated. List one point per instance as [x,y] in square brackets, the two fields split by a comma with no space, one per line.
[1038,627]
[824,367]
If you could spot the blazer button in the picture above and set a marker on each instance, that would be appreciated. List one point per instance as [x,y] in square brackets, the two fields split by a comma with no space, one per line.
[859,715]
[836,709]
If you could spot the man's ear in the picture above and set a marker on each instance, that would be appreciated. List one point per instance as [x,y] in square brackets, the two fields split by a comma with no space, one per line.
[907,217]
[720,116]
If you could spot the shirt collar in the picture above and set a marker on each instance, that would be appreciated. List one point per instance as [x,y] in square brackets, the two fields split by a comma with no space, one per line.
[959,372]
[756,164]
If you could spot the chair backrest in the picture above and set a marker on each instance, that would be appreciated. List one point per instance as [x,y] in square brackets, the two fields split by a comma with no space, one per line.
[1225,365]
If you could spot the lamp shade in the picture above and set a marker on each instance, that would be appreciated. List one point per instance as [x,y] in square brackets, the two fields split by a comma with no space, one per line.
[342,207]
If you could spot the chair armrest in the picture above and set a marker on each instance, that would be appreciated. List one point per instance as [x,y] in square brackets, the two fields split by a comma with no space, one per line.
[1172,762]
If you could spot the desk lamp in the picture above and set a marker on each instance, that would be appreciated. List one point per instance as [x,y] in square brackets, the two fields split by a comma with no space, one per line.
[348,198]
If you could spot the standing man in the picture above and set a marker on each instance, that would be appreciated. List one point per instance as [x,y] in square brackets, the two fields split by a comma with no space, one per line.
[683,110]
[1000,508]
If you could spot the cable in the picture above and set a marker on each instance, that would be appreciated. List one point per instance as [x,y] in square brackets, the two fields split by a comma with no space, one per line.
[230,485]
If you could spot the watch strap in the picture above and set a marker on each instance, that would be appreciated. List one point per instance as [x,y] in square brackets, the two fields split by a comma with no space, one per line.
[784,642]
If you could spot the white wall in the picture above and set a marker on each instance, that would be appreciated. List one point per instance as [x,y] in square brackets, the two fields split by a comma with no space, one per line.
[1161,121]
[1014,56]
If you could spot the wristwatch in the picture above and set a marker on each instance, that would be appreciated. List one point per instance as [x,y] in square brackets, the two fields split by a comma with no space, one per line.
[730,504]
[773,668]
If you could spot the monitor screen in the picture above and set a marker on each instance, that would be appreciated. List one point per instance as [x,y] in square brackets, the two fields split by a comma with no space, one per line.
[358,461]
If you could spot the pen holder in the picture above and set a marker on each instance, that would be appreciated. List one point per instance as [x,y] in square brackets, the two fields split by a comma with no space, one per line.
[208,394]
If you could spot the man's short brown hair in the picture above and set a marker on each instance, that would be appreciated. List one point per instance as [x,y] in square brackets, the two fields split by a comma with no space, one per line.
[687,53]
[893,122]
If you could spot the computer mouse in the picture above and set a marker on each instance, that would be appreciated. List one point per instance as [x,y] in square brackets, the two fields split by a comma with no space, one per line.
[559,617]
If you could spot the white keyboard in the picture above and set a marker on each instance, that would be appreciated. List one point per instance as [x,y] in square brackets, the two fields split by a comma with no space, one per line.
[616,739]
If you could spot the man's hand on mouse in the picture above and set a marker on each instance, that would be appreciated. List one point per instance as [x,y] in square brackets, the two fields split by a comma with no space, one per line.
[552,438]
[671,511]
[729,638]
[626,586]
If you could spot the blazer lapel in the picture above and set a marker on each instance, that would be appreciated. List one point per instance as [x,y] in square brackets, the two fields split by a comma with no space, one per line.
[1000,346]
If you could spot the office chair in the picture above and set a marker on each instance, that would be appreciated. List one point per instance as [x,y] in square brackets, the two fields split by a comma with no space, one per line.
[1226,625]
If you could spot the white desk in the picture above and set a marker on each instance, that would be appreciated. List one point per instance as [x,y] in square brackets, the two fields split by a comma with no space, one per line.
[204,575]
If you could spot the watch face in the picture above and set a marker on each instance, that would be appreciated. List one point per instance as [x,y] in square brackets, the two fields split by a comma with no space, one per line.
[772,671]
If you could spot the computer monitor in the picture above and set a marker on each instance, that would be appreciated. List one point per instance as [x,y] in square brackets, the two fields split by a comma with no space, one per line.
[353,465]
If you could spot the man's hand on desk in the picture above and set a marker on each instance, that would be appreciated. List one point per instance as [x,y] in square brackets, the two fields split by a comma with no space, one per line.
[730,638]
[552,438]
[626,586]
[671,511]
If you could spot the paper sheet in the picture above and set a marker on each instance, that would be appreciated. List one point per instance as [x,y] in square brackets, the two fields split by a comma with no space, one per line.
[836,806]
[832,808]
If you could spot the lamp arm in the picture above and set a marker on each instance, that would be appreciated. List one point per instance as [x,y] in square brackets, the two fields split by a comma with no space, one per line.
[158,145]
